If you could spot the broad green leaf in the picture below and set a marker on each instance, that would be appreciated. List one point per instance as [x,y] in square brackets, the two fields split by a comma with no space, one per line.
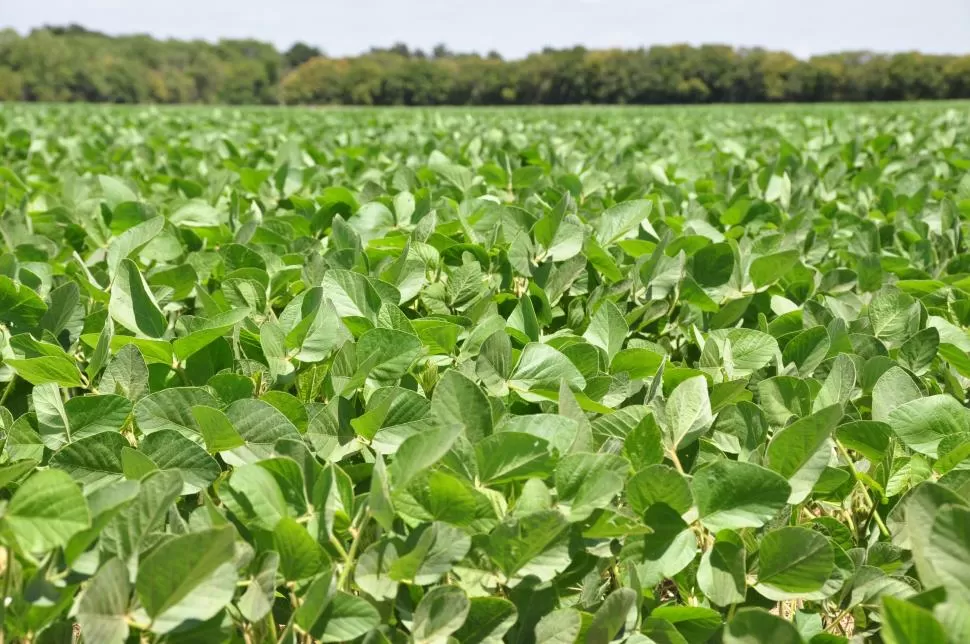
[733,495]
[300,556]
[607,329]
[46,511]
[488,620]
[907,623]
[894,388]
[612,615]
[801,451]
[562,626]
[133,305]
[129,532]
[543,367]
[170,450]
[345,618]
[721,574]
[102,609]
[257,601]
[948,550]
[688,413]
[188,578]
[793,561]
[439,614]
[94,461]
[922,424]
[19,305]
[457,400]
[758,626]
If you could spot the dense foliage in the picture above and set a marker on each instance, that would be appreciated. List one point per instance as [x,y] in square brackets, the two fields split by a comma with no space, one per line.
[73,64]
[548,376]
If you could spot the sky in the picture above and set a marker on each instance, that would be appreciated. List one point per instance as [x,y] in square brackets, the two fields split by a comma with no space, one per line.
[516,28]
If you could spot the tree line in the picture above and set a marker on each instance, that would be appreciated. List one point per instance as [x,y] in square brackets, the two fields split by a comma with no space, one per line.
[75,64]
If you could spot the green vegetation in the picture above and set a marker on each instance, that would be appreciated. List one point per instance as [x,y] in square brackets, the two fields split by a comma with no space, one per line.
[532,376]
[73,64]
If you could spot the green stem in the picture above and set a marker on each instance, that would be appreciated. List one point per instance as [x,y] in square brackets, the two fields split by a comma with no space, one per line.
[344,580]
[8,389]
[837,620]
[271,627]
[672,454]
[855,474]
[7,577]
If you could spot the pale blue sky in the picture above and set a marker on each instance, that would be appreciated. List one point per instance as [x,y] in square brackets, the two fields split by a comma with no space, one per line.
[517,27]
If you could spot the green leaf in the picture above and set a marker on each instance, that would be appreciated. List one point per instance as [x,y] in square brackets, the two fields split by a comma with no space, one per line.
[801,451]
[257,601]
[922,424]
[172,409]
[508,456]
[612,615]
[58,370]
[793,562]
[770,268]
[46,511]
[170,450]
[893,315]
[342,618]
[543,367]
[187,578]
[562,626]
[733,495]
[130,241]
[721,574]
[659,484]
[907,623]
[757,626]
[254,496]
[300,556]
[132,303]
[688,413]
[807,350]
[128,533]
[52,422]
[94,461]
[102,608]
[90,415]
[535,544]
[115,191]
[894,388]
[622,220]
[19,305]
[439,614]
[488,620]
[421,451]
[948,550]
[607,329]
[126,374]
[457,400]
[217,430]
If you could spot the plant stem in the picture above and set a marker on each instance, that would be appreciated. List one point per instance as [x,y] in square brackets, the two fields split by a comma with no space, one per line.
[271,626]
[676,461]
[7,579]
[344,580]
[855,474]
[8,389]
[837,620]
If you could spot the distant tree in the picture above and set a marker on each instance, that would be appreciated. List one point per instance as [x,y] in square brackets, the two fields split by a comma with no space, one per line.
[401,49]
[72,63]
[299,53]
